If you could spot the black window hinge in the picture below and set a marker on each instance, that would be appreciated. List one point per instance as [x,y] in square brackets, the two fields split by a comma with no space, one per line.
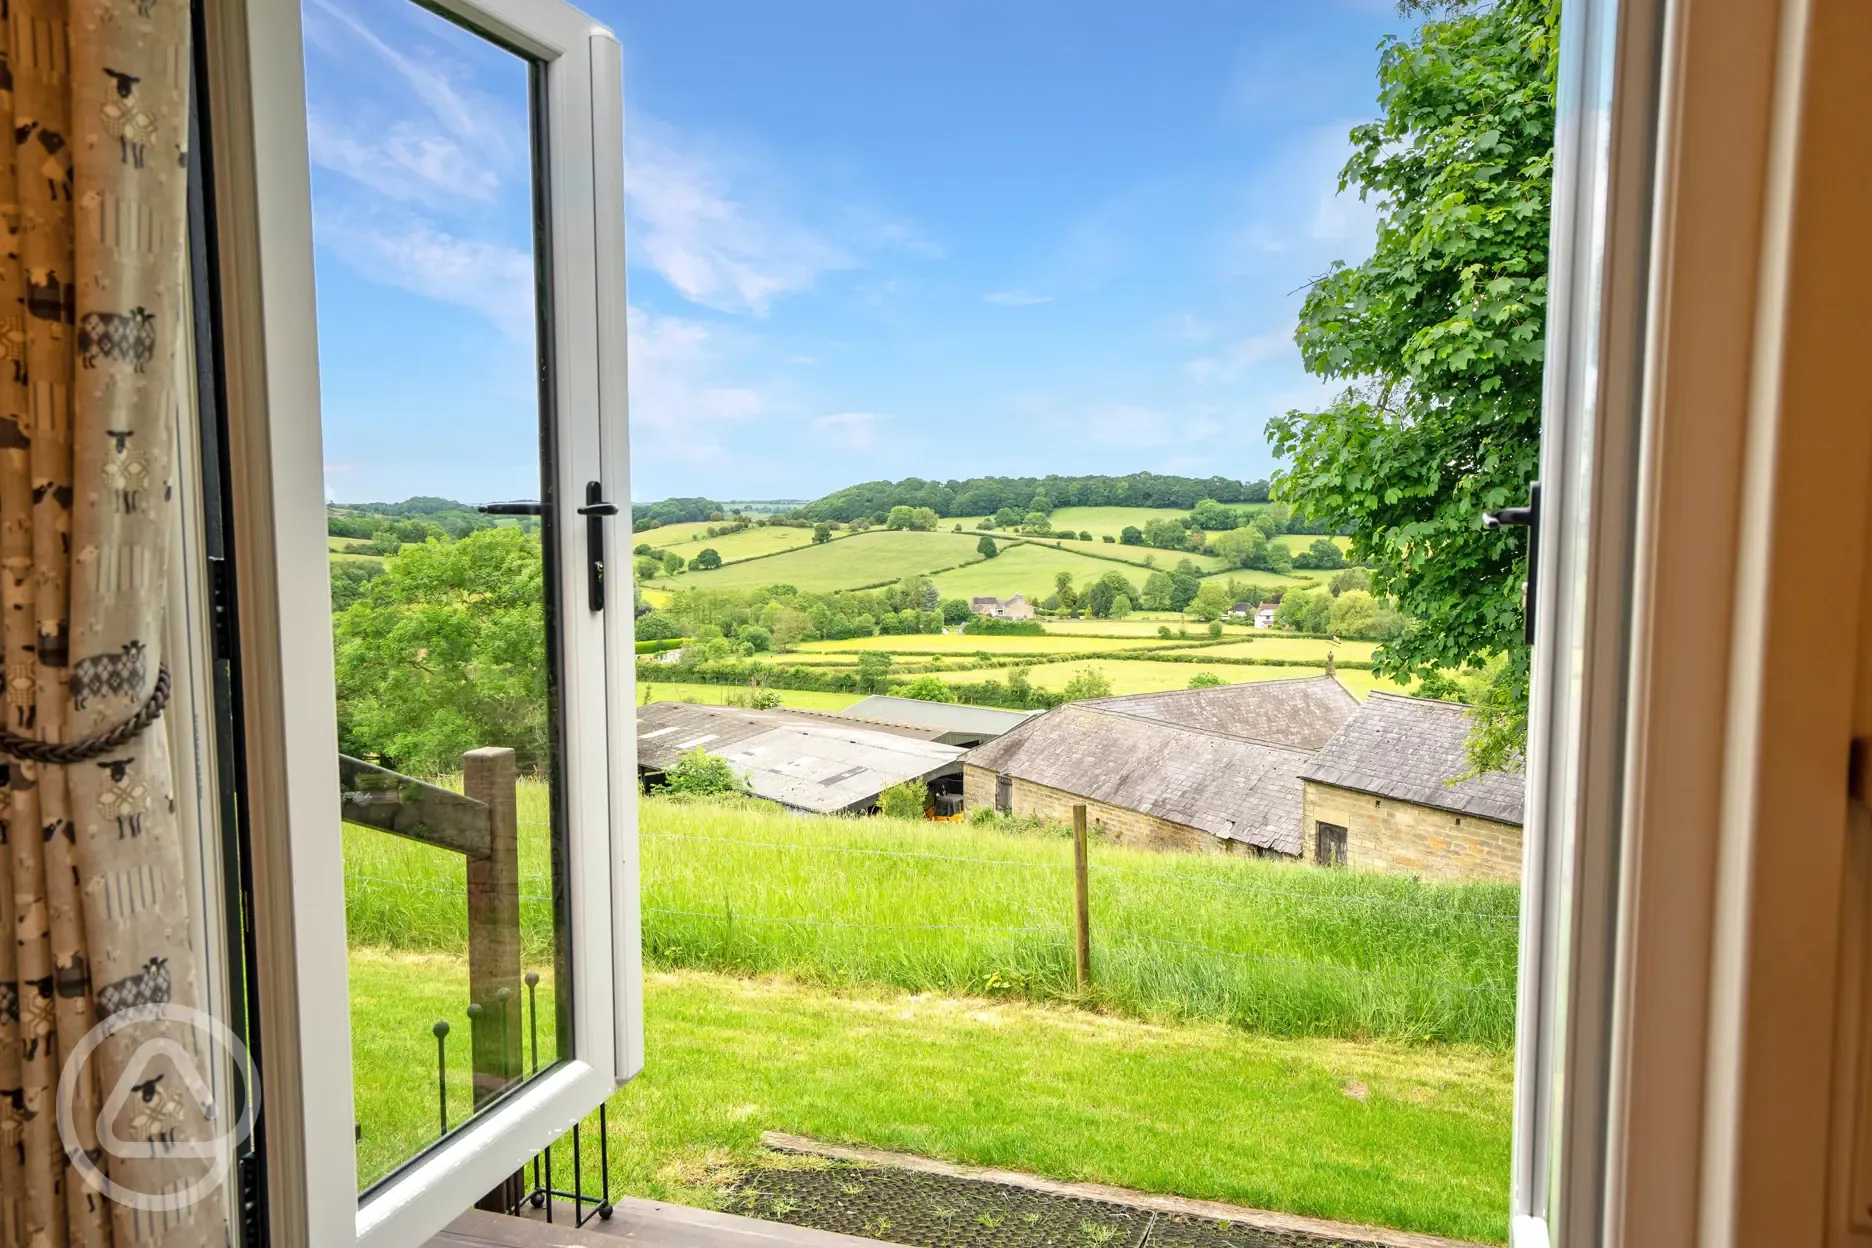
[1527,517]
[221,606]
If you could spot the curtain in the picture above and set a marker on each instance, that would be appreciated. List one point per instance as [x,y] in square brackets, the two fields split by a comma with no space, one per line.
[93,308]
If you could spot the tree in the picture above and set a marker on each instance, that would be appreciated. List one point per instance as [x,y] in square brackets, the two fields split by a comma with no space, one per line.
[672,563]
[445,652]
[1085,535]
[1205,680]
[1131,535]
[1245,547]
[1121,607]
[1279,558]
[755,636]
[821,533]
[1068,598]
[923,519]
[986,548]
[1165,534]
[1184,585]
[956,611]
[859,524]
[657,626]
[926,688]
[1088,682]
[1211,515]
[1210,603]
[874,671]
[646,569]
[1324,553]
[789,627]
[1439,337]
[1351,578]
[907,800]
[1157,589]
[701,774]
[1304,611]
[705,559]
[899,518]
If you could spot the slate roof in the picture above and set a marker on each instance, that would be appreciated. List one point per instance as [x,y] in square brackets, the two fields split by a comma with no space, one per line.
[1228,786]
[1410,749]
[1302,713]
[666,729]
[983,723]
[809,761]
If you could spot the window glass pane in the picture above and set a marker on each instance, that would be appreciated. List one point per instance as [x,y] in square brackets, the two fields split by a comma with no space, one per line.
[437,458]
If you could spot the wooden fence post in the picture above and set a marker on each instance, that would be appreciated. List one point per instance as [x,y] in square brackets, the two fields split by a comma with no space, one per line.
[489,777]
[1082,908]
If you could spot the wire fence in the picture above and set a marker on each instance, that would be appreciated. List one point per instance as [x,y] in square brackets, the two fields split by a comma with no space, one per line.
[953,907]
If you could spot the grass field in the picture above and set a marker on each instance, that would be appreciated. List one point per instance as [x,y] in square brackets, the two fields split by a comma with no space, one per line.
[1030,568]
[1273,645]
[718,695]
[864,559]
[1155,676]
[743,545]
[1366,1132]
[962,644]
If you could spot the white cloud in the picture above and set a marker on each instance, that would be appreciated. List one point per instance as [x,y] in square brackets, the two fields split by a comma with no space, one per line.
[713,248]
[850,431]
[494,280]
[1132,426]
[406,164]
[1016,298]
[1237,357]
[680,409]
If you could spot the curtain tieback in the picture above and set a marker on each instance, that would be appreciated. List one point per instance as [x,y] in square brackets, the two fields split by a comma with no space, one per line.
[68,752]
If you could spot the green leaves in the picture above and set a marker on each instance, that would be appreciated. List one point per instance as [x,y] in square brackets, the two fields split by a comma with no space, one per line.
[1439,336]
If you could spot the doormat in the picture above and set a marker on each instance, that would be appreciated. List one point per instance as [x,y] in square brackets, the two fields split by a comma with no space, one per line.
[920,1209]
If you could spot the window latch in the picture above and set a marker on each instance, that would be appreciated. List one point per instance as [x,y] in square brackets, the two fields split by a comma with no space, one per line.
[594,511]
[1528,518]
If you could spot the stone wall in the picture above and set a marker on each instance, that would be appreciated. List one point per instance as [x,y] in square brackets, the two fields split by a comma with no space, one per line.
[1384,834]
[1112,824]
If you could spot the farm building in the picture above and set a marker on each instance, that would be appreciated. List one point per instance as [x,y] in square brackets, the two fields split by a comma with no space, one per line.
[1297,768]
[1241,610]
[825,764]
[1264,614]
[1213,769]
[1015,608]
[1383,795]
[966,726]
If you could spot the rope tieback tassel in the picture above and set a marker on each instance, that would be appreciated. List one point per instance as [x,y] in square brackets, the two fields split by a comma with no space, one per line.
[66,753]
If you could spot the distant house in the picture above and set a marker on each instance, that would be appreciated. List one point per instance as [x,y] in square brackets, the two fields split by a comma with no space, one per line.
[1264,614]
[821,763]
[1241,611]
[1383,795]
[1215,769]
[1015,608]
[954,724]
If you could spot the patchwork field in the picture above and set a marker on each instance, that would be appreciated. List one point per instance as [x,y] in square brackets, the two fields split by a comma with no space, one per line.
[864,559]
[720,695]
[1030,568]
[1151,676]
[964,646]
[1272,645]
[746,544]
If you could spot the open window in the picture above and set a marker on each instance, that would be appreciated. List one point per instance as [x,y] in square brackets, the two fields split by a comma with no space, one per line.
[512,831]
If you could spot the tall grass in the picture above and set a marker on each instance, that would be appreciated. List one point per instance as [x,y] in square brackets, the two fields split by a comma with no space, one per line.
[1271,947]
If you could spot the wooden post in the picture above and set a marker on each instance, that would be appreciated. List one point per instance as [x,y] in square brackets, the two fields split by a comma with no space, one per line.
[489,776]
[1082,907]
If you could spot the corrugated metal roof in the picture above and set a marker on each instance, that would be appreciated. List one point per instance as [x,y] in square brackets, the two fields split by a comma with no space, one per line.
[947,717]
[822,763]
[1302,713]
[1228,786]
[1411,749]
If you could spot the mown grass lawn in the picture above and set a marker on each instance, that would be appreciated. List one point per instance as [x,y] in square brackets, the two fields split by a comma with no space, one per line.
[1410,1137]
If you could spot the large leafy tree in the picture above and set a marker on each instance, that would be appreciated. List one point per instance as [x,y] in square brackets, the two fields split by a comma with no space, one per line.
[446,652]
[1439,337]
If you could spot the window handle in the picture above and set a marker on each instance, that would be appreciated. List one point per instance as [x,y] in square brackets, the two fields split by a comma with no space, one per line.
[594,511]
[1528,518]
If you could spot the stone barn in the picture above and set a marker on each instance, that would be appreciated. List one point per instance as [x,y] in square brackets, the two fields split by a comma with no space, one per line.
[1385,795]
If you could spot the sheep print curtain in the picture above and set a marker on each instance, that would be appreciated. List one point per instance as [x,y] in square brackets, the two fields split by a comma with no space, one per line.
[99,1138]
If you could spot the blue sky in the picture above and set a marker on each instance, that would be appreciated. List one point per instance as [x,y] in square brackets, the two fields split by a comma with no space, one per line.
[865,240]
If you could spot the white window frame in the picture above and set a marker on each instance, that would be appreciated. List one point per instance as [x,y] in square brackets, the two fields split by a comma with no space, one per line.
[262,187]
[1604,167]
